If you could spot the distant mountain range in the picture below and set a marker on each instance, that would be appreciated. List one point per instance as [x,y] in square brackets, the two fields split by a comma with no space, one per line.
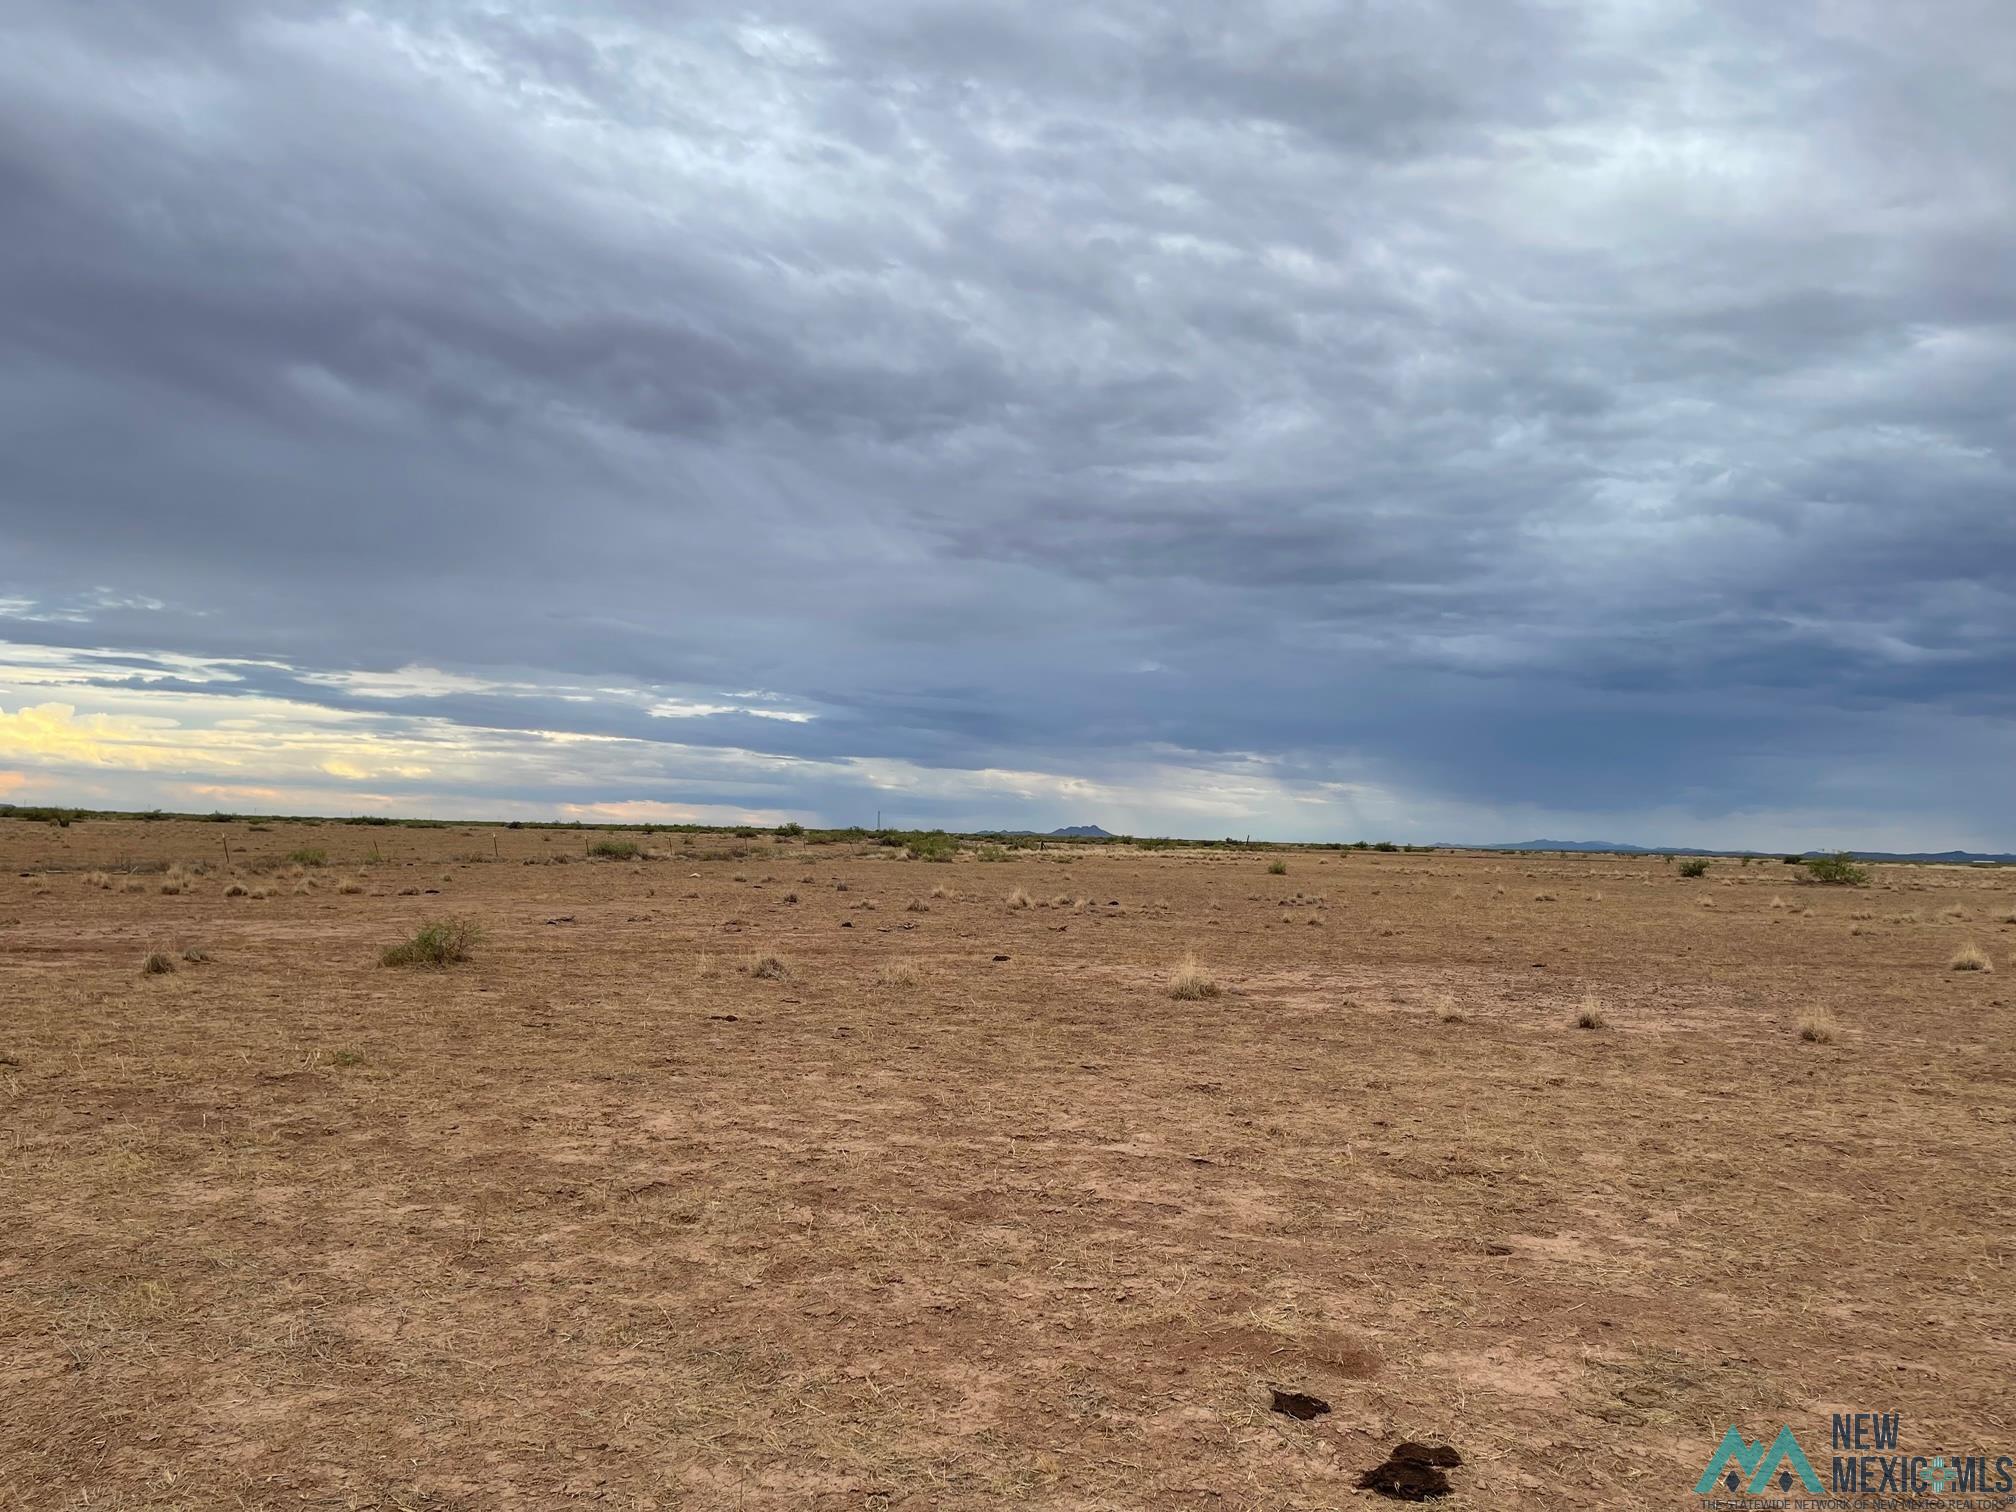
[1958,858]
[1081,832]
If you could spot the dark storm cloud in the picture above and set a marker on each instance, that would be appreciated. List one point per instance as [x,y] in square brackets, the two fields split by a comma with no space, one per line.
[1515,406]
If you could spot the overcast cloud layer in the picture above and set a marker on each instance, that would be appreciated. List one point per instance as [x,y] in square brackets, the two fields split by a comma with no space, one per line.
[1317,420]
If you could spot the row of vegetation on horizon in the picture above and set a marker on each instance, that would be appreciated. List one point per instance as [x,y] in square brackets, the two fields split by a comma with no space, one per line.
[920,845]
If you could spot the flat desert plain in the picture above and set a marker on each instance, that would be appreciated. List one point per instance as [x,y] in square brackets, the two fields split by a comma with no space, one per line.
[767,1174]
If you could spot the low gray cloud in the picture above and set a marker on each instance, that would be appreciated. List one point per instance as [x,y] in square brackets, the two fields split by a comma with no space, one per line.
[1470,413]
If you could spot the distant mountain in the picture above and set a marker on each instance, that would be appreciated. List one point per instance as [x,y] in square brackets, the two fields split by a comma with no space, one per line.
[1080,832]
[1952,858]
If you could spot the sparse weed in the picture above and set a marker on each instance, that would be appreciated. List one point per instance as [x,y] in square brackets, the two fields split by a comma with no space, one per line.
[440,942]
[1971,958]
[1190,981]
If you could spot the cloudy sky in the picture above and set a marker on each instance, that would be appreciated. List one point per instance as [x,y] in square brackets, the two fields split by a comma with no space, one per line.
[1321,419]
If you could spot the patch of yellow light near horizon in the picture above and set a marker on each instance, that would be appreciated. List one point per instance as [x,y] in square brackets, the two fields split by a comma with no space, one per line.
[55,732]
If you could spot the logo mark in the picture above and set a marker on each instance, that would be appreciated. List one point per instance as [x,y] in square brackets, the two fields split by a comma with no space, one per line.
[1781,1460]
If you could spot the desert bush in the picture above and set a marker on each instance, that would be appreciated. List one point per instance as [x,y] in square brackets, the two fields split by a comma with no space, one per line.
[1837,870]
[767,968]
[993,853]
[440,942]
[1817,1027]
[934,846]
[1591,1016]
[1190,981]
[616,850]
[1694,866]
[350,886]
[1018,899]
[1277,868]
[1971,958]
[157,963]
[308,856]
[236,890]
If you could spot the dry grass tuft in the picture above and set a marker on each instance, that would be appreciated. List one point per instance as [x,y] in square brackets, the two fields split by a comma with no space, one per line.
[1277,868]
[1591,1016]
[941,891]
[765,968]
[1018,899]
[157,963]
[1817,1028]
[901,974]
[98,879]
[440,942]
[350,886]
[1970,957]
[1190,981]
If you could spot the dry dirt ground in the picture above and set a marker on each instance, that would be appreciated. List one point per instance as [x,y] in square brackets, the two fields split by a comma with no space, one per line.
[963,1210]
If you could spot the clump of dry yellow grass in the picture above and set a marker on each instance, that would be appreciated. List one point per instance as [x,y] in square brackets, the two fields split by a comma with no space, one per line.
[1817,1027]
[766,968]
[1190,981]
[157,963]
[1971,957]
[1018,899]
[901,974]
[1591,1016]
[350,885]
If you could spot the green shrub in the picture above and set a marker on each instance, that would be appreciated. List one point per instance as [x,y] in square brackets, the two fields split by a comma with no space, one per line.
[439,943]
[308,856]
[994,853]
[1277,868]
[934,846]
[1694,866]
[616,850]
[1838,870]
